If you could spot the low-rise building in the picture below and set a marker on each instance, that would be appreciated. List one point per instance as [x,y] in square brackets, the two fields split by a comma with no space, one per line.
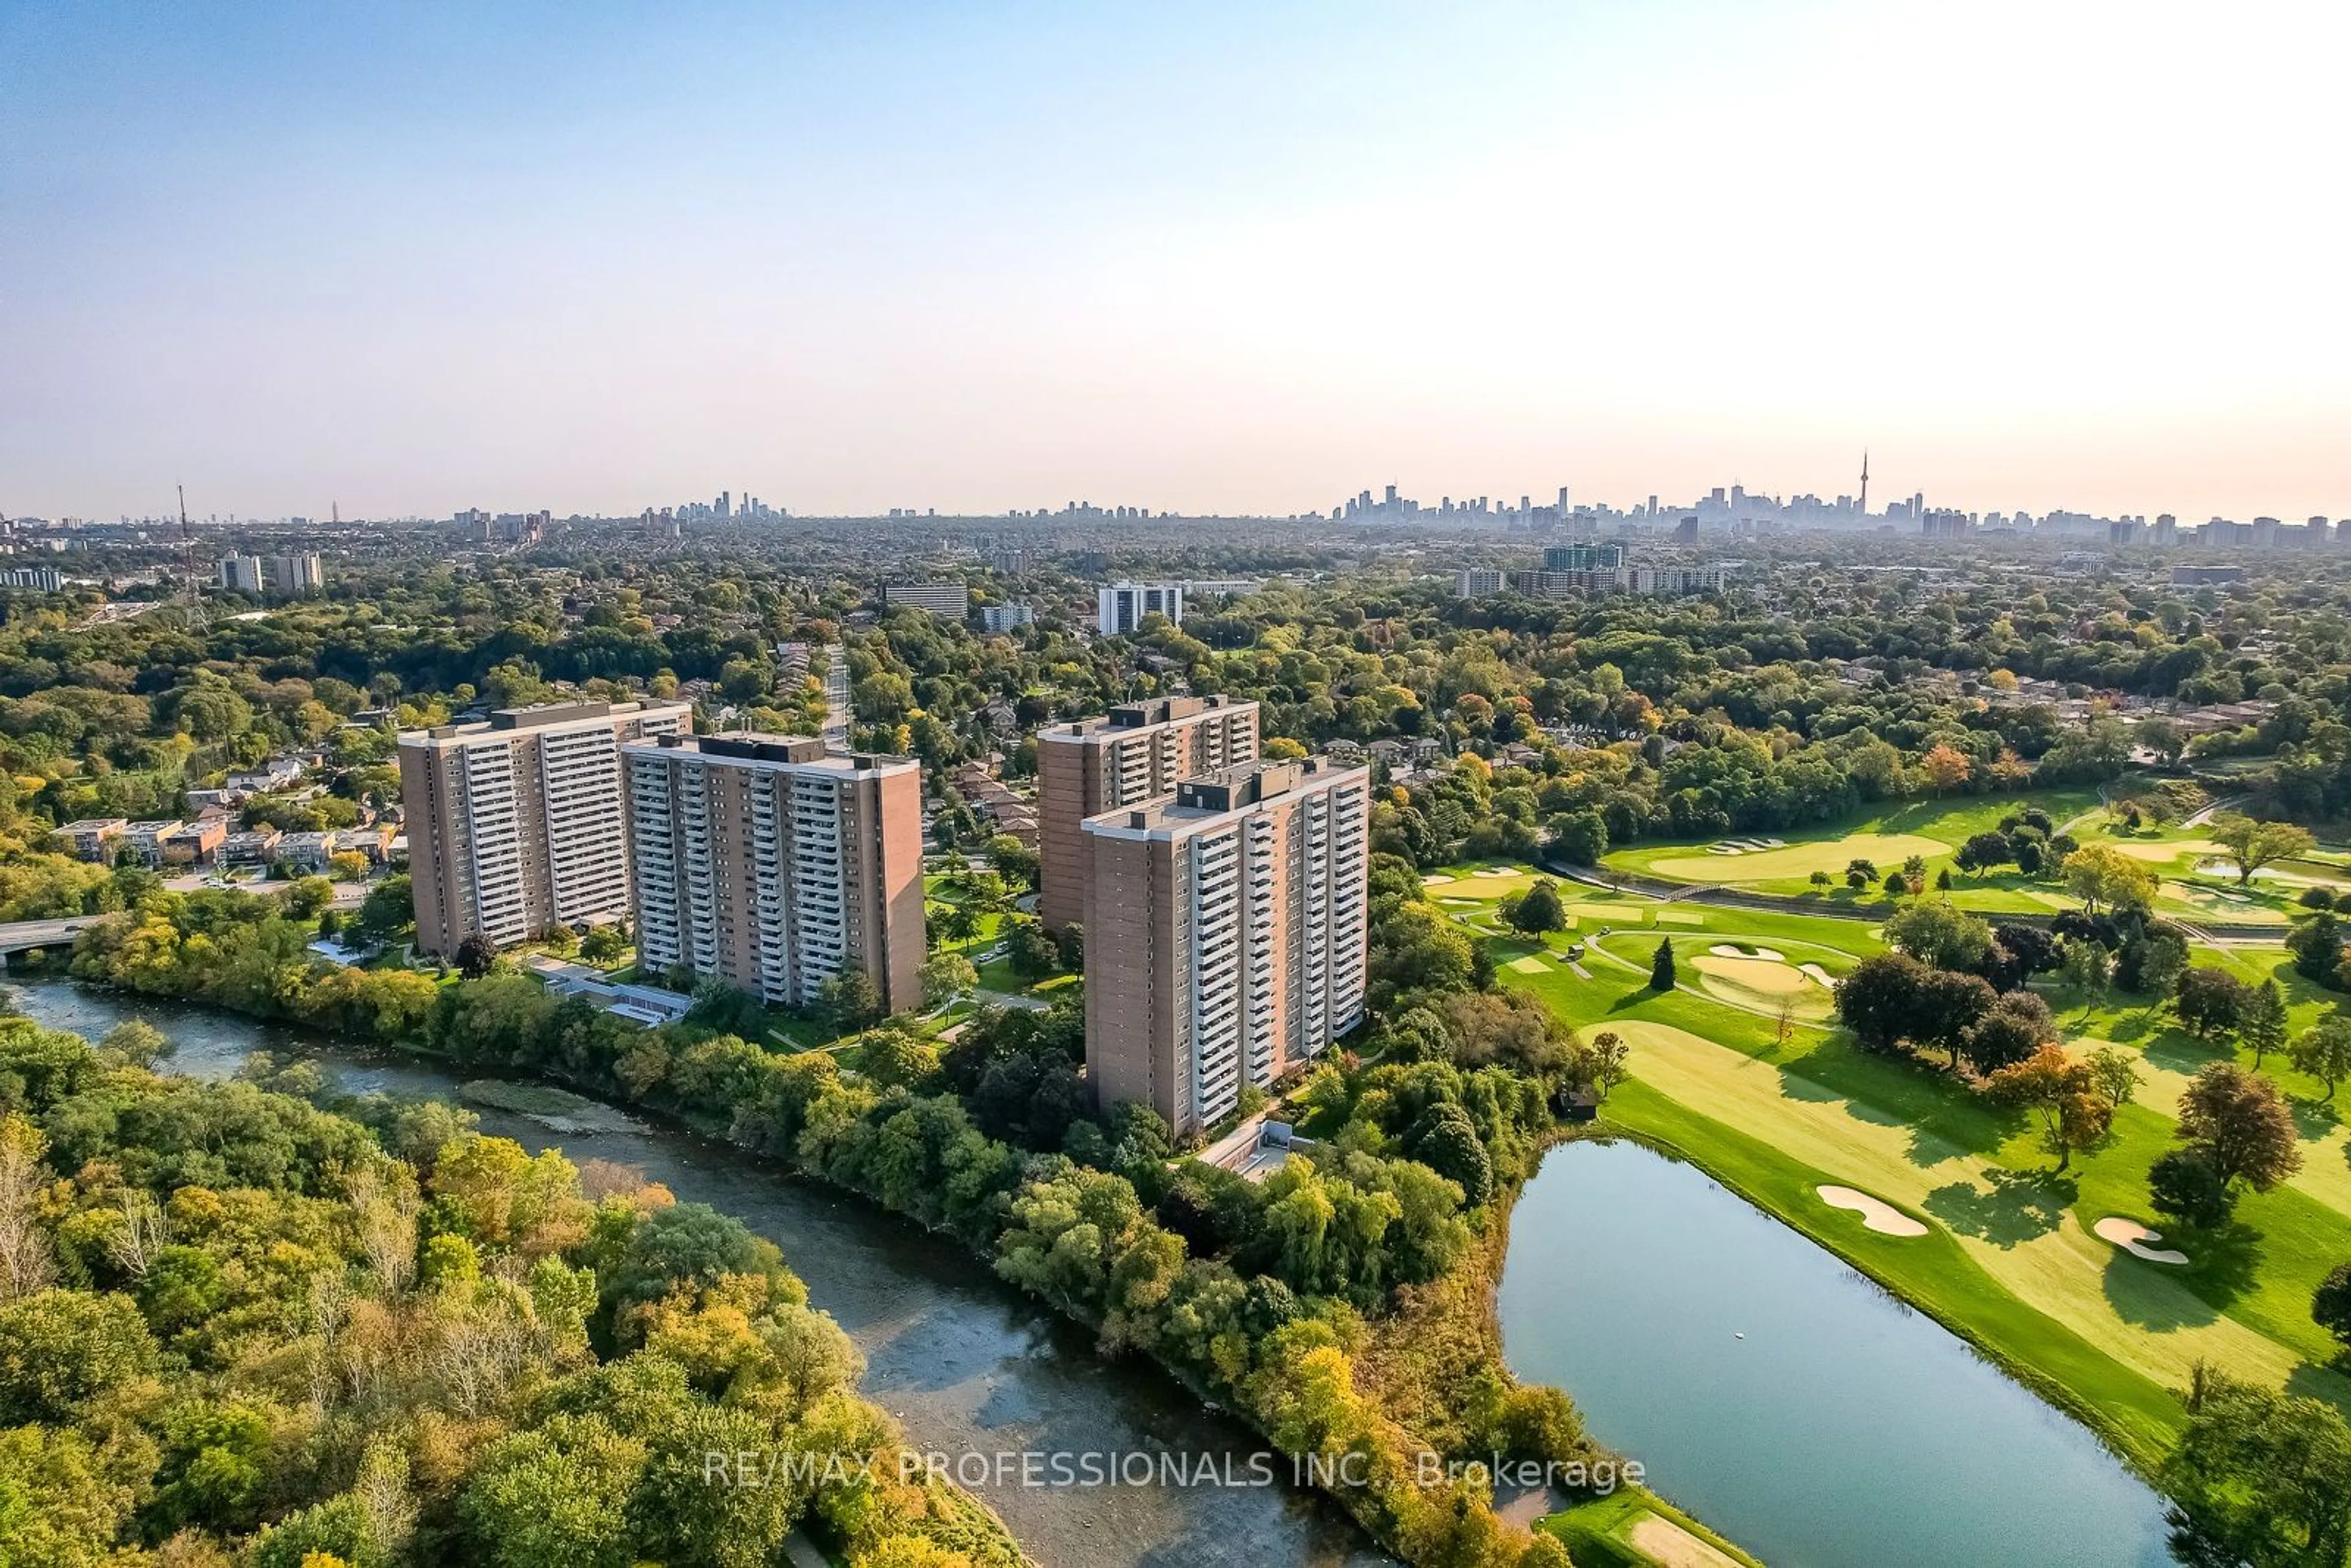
[195,844]
[305,854]
[142,843]
[258,846]
[89,836]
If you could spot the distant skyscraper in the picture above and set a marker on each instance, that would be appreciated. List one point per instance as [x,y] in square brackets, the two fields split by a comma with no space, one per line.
[1864,481]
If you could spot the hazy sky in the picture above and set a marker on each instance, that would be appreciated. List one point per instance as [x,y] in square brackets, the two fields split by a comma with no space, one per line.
[1200,256]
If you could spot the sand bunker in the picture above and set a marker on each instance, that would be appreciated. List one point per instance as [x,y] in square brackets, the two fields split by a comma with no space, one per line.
[2133,1238]
[1877,1214]
[1731,950]
[1724,849]
[1435,879]
[1661,1540]
[1493,871]
[1818,976]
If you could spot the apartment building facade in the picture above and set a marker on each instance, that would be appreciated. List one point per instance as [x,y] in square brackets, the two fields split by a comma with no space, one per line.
[776,865]
[516,824]
[1134,753]
[1225,934]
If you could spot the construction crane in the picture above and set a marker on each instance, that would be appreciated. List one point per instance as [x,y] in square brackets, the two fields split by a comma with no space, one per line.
[188,556]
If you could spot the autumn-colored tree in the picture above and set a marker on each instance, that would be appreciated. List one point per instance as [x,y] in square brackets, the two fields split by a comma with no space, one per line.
[1945,767]
[2073,1111]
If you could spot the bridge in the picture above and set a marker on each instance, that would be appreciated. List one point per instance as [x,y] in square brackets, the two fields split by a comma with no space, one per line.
[24,935]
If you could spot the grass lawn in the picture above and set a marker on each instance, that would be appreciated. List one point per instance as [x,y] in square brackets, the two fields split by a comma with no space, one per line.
[2010,1259]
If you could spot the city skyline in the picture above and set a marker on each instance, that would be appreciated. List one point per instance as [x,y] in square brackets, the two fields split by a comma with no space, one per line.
[1216,262]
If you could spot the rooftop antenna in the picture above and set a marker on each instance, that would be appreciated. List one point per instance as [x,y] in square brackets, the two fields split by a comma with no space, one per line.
[188,558]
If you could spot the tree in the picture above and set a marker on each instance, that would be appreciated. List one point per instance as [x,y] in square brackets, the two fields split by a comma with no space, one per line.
[2018,1025]
[1579,838]
[2162,959]
[1034,954]
[2330,1304]
[476,954]
[1939,934]
[2210,1002]
[1013,860]
[2238,1121]
[26,1261]
[2101,874]
[1610,1062]
[1539,910]
[1985,852]
[1070,946]
[2251,844]
[1880,999]
[603,945]
[2183,1185]
[2316,945]
[945,976]
[1945,767]
[305,897]
[2324,1050]
[850,1001]
[388,908]
[2261,1477]
[1661,966]
[2263,1025]
[2085,969]
[2064,1094]
[1447,1142]
[1820,879]
[1859,874]
[2115,1073]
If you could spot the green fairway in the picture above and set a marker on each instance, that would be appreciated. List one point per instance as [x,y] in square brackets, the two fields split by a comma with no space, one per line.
[2010,1258]
[1886,851]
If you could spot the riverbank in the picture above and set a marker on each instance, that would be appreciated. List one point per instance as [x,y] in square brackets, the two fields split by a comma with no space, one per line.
[1445,1334]
[968,1364]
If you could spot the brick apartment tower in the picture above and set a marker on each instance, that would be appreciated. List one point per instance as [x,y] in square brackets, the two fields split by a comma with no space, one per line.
[1130,755]
[774,864]
[1225,931]
[515,824]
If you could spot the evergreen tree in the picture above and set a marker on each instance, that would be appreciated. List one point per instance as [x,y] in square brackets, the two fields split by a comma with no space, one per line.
[1661,967]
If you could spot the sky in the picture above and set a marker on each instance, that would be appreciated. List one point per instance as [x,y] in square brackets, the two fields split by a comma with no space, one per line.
[1206,256]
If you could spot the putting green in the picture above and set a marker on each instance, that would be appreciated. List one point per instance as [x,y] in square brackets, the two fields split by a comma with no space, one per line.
[1887,851]
[1530,965]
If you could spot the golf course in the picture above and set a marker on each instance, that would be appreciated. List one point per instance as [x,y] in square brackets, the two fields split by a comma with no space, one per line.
[1946,1198]
[2196,882]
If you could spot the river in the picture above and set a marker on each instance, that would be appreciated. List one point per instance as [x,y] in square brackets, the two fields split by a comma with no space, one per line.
[968,1366]
[1782,1397]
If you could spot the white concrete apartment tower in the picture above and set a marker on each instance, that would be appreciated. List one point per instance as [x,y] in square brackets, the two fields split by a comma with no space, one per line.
[777,864]
[1225,934]
[516,824]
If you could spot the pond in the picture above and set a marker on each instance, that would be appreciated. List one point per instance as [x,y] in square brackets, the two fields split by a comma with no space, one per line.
[968,1365]
[1782,1397]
